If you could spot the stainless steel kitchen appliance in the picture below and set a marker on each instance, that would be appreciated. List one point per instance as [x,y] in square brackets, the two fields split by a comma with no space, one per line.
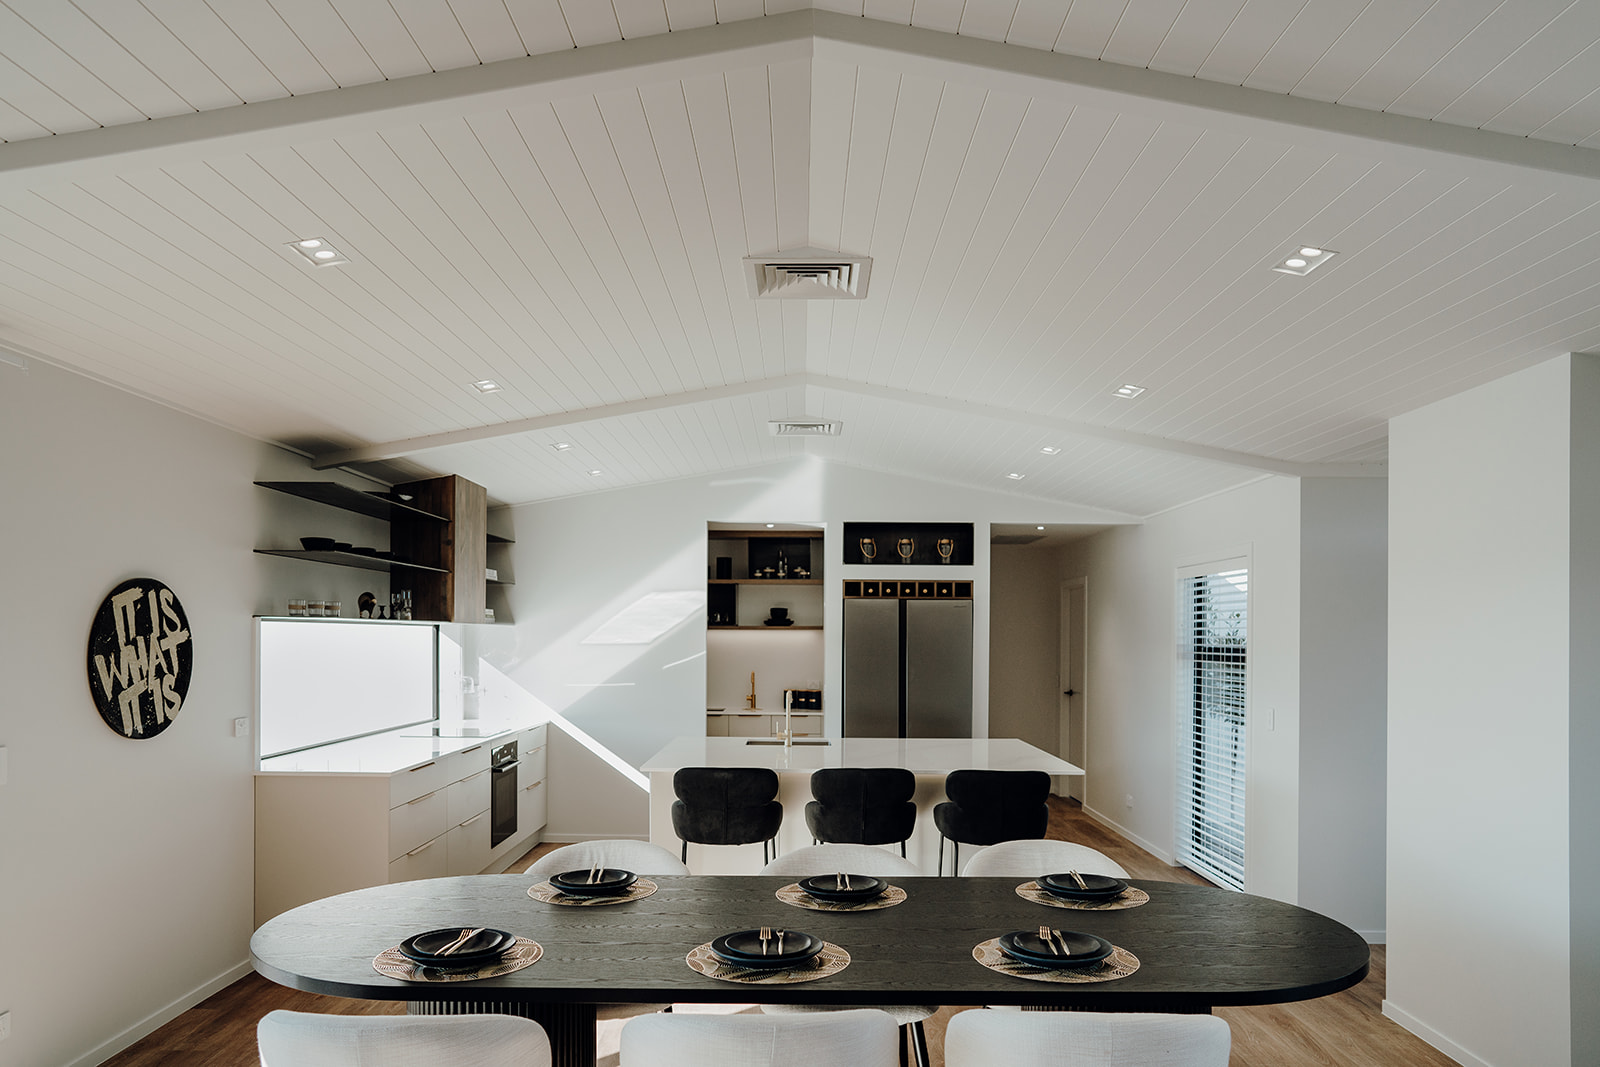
[907,667]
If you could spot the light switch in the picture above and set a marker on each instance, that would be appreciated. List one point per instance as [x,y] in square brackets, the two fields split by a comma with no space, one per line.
[241,726]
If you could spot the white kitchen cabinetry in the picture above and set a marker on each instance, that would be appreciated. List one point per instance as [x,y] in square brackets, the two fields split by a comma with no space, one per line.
[762,723]
[322,832]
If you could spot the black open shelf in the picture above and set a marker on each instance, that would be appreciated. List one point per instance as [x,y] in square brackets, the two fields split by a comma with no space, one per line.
[375,505]
[349,559]
[924,535]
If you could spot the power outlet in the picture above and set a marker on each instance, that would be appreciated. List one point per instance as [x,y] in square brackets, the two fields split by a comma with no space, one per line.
[241,727]
[1127,801]
[5,1025]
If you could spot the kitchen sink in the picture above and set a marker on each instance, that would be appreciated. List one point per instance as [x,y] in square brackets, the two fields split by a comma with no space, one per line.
[797,742]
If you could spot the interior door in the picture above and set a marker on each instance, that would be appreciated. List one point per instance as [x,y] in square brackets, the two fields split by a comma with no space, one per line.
[1074,701]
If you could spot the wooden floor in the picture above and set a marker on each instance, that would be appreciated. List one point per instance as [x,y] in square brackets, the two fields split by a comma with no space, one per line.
[1347,1029]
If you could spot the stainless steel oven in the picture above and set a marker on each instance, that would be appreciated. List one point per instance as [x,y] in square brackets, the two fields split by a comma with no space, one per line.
[503,796]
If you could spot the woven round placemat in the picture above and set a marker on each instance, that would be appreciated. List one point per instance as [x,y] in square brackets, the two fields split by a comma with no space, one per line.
[831,960]
[525,953]
[551,895]
[794,896]
[1128,898]
[1120,964]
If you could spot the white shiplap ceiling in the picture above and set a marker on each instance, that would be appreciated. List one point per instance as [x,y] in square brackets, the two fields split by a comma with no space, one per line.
[1058,198]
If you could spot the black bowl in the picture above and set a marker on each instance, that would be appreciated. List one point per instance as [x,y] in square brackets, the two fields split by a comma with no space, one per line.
[317,544]
[1095,886]
[609,882]
[830,887]
[483,947]
[743,948]
[1082,950]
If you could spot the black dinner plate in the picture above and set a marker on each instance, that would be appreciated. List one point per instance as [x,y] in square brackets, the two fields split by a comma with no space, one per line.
[1082,949]
[743,948]
[830,887]
[484,947]
[608,882]
[1095,886]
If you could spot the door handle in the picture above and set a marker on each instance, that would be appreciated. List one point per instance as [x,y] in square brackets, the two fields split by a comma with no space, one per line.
[1069,693]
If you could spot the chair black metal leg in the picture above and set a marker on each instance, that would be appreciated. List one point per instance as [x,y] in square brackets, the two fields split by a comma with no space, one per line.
[683,853]
[955,858]
[939,870]
[902,850]
[904,1043]
[919,1043]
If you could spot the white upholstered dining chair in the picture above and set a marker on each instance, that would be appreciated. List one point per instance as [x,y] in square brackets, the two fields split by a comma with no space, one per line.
[980,1038]
[640,857]
[877,863]
[1029,859]
[302,1039]
[859,1038]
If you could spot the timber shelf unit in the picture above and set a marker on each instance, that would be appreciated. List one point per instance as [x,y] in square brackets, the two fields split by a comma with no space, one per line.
[439,535]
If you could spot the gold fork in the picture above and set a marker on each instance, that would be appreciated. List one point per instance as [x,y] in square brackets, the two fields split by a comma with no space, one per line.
[766,935]
[1044,935]
[780,942]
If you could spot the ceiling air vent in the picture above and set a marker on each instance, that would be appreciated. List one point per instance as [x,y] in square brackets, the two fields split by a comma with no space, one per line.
[808,277]
[805,427]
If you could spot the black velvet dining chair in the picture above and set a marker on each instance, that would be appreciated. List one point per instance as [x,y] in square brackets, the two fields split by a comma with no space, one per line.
[726,806]
[987,807]
[862,806]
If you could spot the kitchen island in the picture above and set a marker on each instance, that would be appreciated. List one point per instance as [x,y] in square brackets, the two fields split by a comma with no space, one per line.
[929,758]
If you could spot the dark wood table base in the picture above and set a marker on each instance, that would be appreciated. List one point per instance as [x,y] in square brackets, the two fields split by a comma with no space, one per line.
[570,1027]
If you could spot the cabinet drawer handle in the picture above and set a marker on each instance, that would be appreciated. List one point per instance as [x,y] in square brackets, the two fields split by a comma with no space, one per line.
[420,799]
[425,766]
[421,849]
[535,785]
[752,715]
[474,748]
[470,777]
[474,819]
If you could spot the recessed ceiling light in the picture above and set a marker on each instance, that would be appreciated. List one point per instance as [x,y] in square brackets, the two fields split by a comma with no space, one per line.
[1014,476]
[1127,392]
[318,251]
[592,474]
[1050,450]
[1038,527]
[562,446]
[487,385]
[1303,259]
[772,526]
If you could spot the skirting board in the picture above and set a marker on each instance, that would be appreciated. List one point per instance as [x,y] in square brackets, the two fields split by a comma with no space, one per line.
[1111,824]
[161,1017]
[573,839]
[1410,1022]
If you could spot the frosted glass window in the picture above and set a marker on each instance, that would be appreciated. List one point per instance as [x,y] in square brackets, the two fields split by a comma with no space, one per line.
[327,681]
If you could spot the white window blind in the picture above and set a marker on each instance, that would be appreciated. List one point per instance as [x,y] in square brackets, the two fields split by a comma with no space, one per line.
[1214,610]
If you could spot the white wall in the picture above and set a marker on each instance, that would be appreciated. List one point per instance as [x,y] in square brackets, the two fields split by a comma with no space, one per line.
[1343,698]
[1132,662]
[127,870]
[1480,590]
[581,561]
[1025,644]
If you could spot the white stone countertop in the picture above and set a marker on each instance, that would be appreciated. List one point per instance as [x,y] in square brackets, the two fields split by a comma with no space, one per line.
[920,755]
[392,750]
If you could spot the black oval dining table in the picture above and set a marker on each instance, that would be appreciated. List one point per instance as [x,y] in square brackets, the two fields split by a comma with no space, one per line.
[1198,948]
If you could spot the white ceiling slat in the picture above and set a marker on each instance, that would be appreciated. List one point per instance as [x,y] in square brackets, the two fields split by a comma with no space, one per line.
[1249,36]
[32,50]
[989,22]
[590,23]
[679,293]
[437,32]
[318,27]
[868,129]
[1435,33]
[1089,27]
[1194,34]
[1477,58]
[1526,75]
[1139,31]
[279,50]
[203,32]
[15,126]
[1368,39]
[1036,24]
[896,11]
[672,142]
[739,10]
[790,88]
[833,99]
[489,29]
[1304,42]
[542,26]
[640,18]
[941,15]
[383,36]
[690,14]
[37,103]
[843,7]
[155,47]
[99,55]
[750,109]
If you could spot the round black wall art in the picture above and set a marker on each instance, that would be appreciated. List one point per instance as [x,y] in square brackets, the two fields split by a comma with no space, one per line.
[140,658]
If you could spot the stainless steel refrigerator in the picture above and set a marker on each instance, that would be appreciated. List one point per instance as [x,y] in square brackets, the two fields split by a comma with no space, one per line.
[907,668]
